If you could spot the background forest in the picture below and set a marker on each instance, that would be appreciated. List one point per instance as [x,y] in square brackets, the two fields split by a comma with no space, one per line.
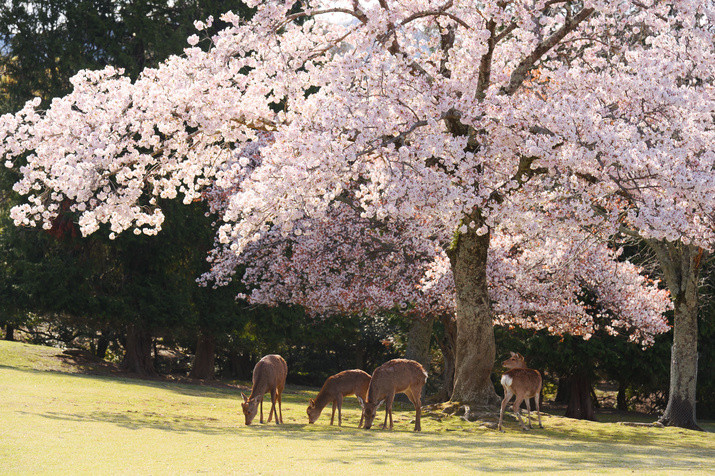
[136,301]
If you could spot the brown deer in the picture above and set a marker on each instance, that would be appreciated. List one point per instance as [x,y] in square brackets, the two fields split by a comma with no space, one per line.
[269,375]
[347,382]
[395,376]
[522,382]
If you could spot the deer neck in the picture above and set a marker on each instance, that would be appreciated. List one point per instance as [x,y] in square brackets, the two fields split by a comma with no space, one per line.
[322,399]
[373,394]
[259,389]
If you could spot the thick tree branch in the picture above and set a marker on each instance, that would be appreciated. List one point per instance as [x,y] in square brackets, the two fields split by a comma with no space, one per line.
[485,63]
[518,76]
[311,13]
[441,11]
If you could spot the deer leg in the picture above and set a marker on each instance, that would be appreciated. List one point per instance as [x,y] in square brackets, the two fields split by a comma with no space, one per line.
[388,410]
[362,416]
[504,403]
[280,400]
[415,397]
[538,412]
[339,401]
[274,408]
[528,410]
[270,413]
[332,416]
[261,403]
[517,408]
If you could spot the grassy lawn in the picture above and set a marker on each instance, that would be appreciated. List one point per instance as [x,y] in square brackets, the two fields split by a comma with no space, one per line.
[56,419]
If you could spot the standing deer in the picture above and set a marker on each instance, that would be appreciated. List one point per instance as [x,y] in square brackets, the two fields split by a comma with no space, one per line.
[269,375]
[347,382]
[395,376]
[522,382]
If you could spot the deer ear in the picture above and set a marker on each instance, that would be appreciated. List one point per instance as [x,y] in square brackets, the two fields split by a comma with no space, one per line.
[513,354]
[244,397]
[361,402]
[311,402]
[520,356]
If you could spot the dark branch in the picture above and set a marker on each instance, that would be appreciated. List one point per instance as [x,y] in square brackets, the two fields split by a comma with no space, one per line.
[518,76]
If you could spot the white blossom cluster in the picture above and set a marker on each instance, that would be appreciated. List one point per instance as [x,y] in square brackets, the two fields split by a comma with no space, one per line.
[539,266]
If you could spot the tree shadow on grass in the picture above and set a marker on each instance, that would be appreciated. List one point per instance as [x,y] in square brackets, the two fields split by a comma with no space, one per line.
[220,391]
[560,447]
[490,451]
[542,450]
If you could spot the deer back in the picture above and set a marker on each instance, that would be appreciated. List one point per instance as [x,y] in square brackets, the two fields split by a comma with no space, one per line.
[522,382]
[395,376]
[349,382]
[269,373]
[344,383]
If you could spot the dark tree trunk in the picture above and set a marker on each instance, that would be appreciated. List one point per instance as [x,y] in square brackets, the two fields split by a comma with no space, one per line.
[562,391]
[580,404]
[418,347]
[205,358]
[418,341]
[447,345]
[681,266]
[594,398]
[241,365]
[359,358]
[476,348]
[102,345]
[137,353]
[9,332]
[621,401]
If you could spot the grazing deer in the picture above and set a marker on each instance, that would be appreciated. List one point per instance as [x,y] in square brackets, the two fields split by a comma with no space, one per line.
[522,382]
[269,375]
[347,382]
[395,376]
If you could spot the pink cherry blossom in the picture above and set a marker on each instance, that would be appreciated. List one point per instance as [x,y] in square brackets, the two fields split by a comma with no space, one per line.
[568,119]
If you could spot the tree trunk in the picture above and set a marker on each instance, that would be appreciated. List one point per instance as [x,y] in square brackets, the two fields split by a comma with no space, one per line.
[580,404]
[418,346]
[681,266]
[562,391]
[137,352]
[418,341]
[621,401]
[594,398]
[359,357]
[241,365]
[9,332]
[102,345]
[448,345]
[476,348]
[205,358]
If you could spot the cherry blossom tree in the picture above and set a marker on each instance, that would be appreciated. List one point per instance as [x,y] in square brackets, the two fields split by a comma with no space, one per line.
[537,275]
[434,114]
[638,133]
[540,264]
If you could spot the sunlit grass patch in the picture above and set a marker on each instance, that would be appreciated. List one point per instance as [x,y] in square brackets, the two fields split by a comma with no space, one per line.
[54,421]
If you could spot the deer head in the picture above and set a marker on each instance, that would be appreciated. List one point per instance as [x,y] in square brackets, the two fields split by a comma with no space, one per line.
[369,410]
[312,411]
[516,361]
[250,408]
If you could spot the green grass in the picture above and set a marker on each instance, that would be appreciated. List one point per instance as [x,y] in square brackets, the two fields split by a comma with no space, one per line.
[56,419]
